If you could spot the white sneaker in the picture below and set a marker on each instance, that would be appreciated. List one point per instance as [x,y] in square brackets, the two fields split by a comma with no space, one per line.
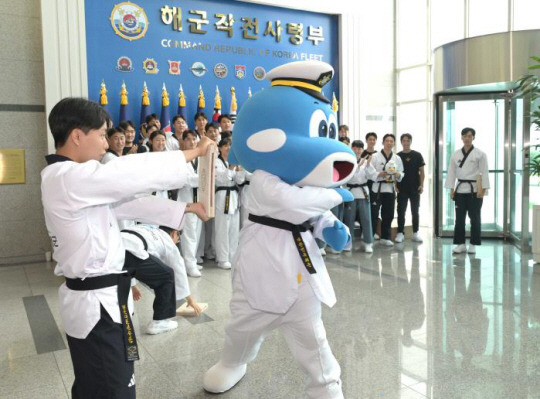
[368,248]
[331,250]
[399,237]
[416,237]
[472,249]
[460,249]
[161,326]
[193,271]
[376,236]
[323,252]
[224,265]
[347,249]
[387,243]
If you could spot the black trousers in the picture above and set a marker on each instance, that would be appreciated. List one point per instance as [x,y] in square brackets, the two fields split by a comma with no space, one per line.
[386,203]
[160,278]
[100,365]
[468,204]
[403,199]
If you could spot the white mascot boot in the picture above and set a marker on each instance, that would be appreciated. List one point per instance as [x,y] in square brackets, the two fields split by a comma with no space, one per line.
[220,378]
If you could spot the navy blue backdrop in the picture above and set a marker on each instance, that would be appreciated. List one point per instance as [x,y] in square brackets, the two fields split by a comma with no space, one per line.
[253,44]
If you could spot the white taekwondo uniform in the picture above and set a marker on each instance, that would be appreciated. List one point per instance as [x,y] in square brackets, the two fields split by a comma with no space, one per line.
[475,164]
[244,190]
[160,245]
[191,233]
[227,220]
[465,167]
[272,287]
[82,202]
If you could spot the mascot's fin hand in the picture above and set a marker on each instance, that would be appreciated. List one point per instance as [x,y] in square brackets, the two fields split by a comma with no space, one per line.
[345,194]
[336,236]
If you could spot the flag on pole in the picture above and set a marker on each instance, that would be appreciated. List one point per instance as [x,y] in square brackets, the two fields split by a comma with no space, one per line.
[103,100]
[182,103]
[217,106]
[201,104]
[145,108]
[165,118]
[249,92]
[234,105]
[123,104]
[335,104]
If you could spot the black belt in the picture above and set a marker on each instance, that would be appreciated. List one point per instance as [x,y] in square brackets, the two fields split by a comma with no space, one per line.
[123,281]
[195,192]
[145,244]
[362,186]
[295,229]
[379,189]
[228,195]
[246,183]
[460,181]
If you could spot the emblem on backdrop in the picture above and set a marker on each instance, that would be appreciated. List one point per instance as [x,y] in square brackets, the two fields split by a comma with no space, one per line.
[220,70]
[240,71]
[150,66]
[129,21]
[174,67]
[198,69]
[124,64]
[259,73]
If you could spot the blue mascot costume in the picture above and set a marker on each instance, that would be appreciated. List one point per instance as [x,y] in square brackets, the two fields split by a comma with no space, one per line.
[286,135]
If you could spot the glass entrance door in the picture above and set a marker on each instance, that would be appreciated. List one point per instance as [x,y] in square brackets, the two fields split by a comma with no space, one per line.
[499,124]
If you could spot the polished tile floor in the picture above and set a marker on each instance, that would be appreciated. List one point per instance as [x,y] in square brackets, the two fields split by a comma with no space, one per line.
[411,322]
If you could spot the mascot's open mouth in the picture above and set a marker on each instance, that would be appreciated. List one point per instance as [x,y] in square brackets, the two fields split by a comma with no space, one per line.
[342,169]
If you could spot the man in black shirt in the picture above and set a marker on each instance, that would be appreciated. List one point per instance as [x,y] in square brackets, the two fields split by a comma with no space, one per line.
[410,188]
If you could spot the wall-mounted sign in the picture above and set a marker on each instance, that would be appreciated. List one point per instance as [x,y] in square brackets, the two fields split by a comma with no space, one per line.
[12,168]
[224,43]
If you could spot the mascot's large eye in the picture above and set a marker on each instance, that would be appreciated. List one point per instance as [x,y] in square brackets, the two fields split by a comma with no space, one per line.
[332,126]
[318,126]
[323,129]
[332,131]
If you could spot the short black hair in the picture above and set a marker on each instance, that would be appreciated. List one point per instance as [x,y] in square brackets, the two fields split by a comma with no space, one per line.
[111,131]
[370,134]
[224,116]
[155,134]
[75,113]
[225,135]
[211,124]
[198,115]
[467,130]
[389,135]
[345,127]
[224,141]
[176,117]
[124,125]
[408,135]
[150,118]
[187,133]
[357,144]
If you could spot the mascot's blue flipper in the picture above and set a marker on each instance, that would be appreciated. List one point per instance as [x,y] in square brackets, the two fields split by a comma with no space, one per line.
[336,236]
[345,194]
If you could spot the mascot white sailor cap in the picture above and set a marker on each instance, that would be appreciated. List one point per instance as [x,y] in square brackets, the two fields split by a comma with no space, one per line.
[308,76]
